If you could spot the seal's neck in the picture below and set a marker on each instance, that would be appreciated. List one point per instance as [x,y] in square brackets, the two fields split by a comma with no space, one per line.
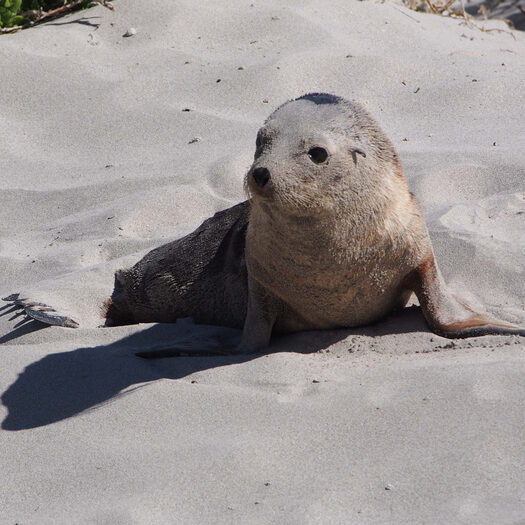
[311,239]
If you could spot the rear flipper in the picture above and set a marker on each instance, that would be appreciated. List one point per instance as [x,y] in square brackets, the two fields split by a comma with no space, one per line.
[72,300]
[448,315]
[41,311]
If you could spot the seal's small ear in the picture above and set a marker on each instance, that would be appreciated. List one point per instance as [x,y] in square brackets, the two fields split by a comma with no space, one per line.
[357,151]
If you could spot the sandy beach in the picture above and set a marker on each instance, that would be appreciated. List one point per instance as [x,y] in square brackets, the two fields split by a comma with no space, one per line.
[114,145]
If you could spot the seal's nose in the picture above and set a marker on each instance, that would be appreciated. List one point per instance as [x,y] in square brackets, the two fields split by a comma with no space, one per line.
[261,176]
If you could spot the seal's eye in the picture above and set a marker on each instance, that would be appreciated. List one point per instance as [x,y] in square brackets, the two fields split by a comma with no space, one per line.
[317,155]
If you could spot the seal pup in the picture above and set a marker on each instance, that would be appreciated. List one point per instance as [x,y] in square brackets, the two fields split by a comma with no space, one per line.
[330,237]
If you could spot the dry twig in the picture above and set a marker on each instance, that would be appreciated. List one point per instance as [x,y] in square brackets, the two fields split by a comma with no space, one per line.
[445,8]
[44,16]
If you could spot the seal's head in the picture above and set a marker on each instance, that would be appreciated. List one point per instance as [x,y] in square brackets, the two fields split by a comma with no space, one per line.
[319,152]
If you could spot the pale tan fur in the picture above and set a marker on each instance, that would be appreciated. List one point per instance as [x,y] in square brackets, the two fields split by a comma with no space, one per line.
[342,242]
[332,242]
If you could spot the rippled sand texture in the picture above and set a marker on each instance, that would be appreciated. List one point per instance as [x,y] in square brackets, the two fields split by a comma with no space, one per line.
[100,162]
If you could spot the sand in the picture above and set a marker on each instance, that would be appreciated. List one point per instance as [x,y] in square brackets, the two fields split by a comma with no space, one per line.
[98,164]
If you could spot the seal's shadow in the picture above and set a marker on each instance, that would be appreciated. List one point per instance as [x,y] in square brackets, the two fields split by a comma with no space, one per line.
[64,384]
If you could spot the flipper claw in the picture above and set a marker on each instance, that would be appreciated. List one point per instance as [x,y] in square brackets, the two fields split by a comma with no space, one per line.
[11,298]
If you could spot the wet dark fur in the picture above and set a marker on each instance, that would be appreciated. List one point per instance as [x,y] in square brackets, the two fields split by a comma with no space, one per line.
[202,276]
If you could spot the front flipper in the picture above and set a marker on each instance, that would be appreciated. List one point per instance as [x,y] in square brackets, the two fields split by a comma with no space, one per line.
[448,315]
[263,308]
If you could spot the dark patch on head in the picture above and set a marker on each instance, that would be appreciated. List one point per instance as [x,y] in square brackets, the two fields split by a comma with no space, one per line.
[321,98]
[316,98]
